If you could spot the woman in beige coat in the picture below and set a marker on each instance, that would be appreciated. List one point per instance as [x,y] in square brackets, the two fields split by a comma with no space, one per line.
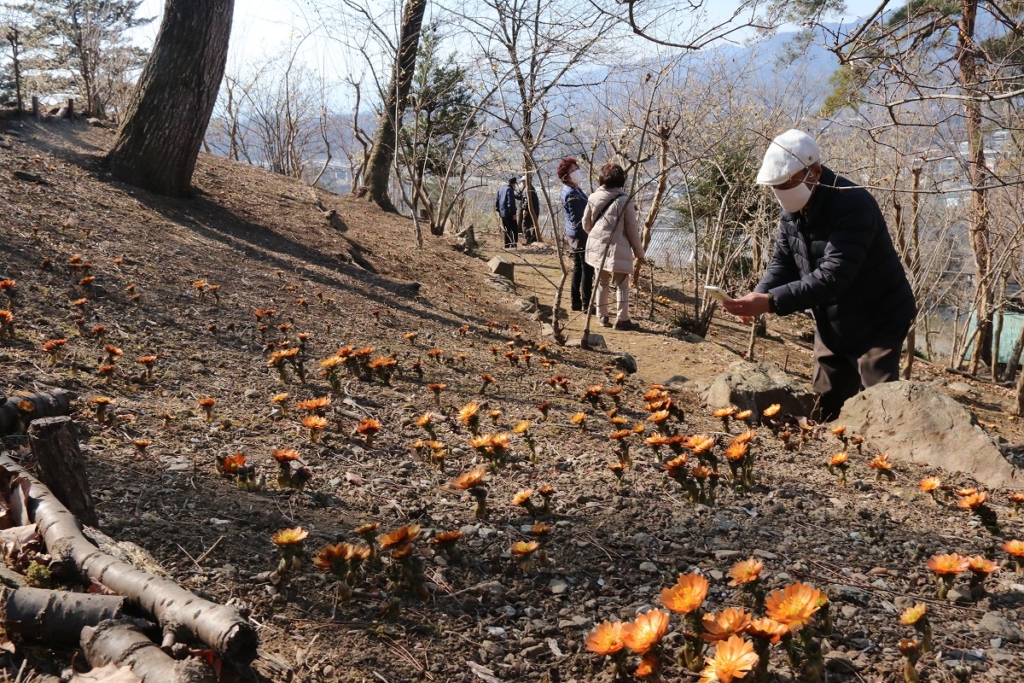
[610,221]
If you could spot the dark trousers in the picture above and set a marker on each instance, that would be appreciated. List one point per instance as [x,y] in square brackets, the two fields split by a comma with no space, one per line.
[837,377]
[528,229]
[510,227]
[582,279]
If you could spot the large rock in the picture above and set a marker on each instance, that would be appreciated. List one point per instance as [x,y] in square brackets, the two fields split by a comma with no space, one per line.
[916,422]
[756,386]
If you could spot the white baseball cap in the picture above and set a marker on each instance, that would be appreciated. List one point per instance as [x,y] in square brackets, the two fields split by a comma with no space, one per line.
[788,153]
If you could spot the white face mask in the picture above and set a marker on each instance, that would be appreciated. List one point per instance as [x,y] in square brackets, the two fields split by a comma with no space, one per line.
[795,198]
[576,176]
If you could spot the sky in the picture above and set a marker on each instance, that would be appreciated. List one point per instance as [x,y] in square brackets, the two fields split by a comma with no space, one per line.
[262,27]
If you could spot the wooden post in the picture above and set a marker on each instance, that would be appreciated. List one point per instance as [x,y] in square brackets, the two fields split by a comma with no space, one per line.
[59,465]
[71,109]
[35,107]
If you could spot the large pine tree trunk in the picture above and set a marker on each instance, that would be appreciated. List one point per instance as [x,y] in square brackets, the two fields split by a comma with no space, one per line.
[383,152]
[157,145]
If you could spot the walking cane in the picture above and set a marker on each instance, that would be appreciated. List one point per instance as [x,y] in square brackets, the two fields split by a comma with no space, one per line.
[585,342]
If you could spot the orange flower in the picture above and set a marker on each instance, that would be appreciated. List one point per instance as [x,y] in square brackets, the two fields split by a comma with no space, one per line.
[728,411]
[521,427]
[468,480]
[605,639]
[838,459]
[772,410]
[981,565]
[881,462]
[929,484]
[313,422]
[469,412]
[659,416]
[285,454]
[733,659]
[744,414]
[675,465]
[1014,547]
[973,501]
[947,564]
[745,437]
[645,631]
[745,571]
[839,431]
[732,621]
[794,605]
[523,548]
[446,537]
[767,628]
[399,537]
[969,491]
[687,595]
[578,418]
[648,667]
[913,614]
[313,404]
[287,537]
[231,463]
[736,451]
[368,426]
[522,497]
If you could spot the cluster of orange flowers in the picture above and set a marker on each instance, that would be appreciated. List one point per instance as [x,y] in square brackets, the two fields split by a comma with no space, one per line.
[787,611]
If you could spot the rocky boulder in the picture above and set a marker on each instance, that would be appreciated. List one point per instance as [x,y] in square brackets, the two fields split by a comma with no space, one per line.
[503,268]
[756,386]
[918,423]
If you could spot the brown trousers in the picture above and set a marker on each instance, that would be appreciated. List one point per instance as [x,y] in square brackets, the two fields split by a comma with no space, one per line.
[837,377]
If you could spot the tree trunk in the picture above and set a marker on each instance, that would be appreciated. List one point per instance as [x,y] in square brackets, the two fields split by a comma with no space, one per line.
[157,145]
[908,360]
[177,610]
[14,419]
[57,618]
[60,466]
[966,55]
[382,154]
[1019,403]
[122,644]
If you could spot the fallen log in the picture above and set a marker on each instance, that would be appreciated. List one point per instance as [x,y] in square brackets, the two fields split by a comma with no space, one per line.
[51,404]
[57,617]
[178,611]
[122,644]
[60,466]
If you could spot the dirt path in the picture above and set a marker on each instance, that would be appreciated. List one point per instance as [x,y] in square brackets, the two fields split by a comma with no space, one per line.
[661,358]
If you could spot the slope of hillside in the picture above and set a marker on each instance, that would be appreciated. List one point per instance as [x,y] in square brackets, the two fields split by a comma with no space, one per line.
[478,612]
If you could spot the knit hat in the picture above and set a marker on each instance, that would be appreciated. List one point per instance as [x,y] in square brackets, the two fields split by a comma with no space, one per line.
[788,153]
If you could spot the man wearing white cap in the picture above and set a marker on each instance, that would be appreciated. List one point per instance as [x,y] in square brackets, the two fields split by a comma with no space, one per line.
[833,255]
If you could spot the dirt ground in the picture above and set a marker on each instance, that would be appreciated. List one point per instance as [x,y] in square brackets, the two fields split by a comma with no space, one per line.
[361,281]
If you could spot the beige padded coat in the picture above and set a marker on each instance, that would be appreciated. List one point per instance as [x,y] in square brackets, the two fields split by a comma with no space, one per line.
[624,237]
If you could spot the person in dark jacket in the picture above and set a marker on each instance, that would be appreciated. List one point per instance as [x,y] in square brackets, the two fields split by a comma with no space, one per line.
[529,211]
[833,255]
[574,202]
[505,205]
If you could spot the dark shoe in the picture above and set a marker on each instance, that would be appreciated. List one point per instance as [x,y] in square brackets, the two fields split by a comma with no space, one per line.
[577,307]
[605,322]
[626,325]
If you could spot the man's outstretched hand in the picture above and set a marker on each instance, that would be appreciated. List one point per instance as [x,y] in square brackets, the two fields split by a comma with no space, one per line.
[747,307]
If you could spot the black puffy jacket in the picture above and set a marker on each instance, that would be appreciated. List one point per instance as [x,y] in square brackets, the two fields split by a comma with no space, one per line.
[836,258]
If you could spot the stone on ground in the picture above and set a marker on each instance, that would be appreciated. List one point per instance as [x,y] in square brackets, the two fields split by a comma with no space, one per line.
[505,269]
[917,422]
[755,386]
